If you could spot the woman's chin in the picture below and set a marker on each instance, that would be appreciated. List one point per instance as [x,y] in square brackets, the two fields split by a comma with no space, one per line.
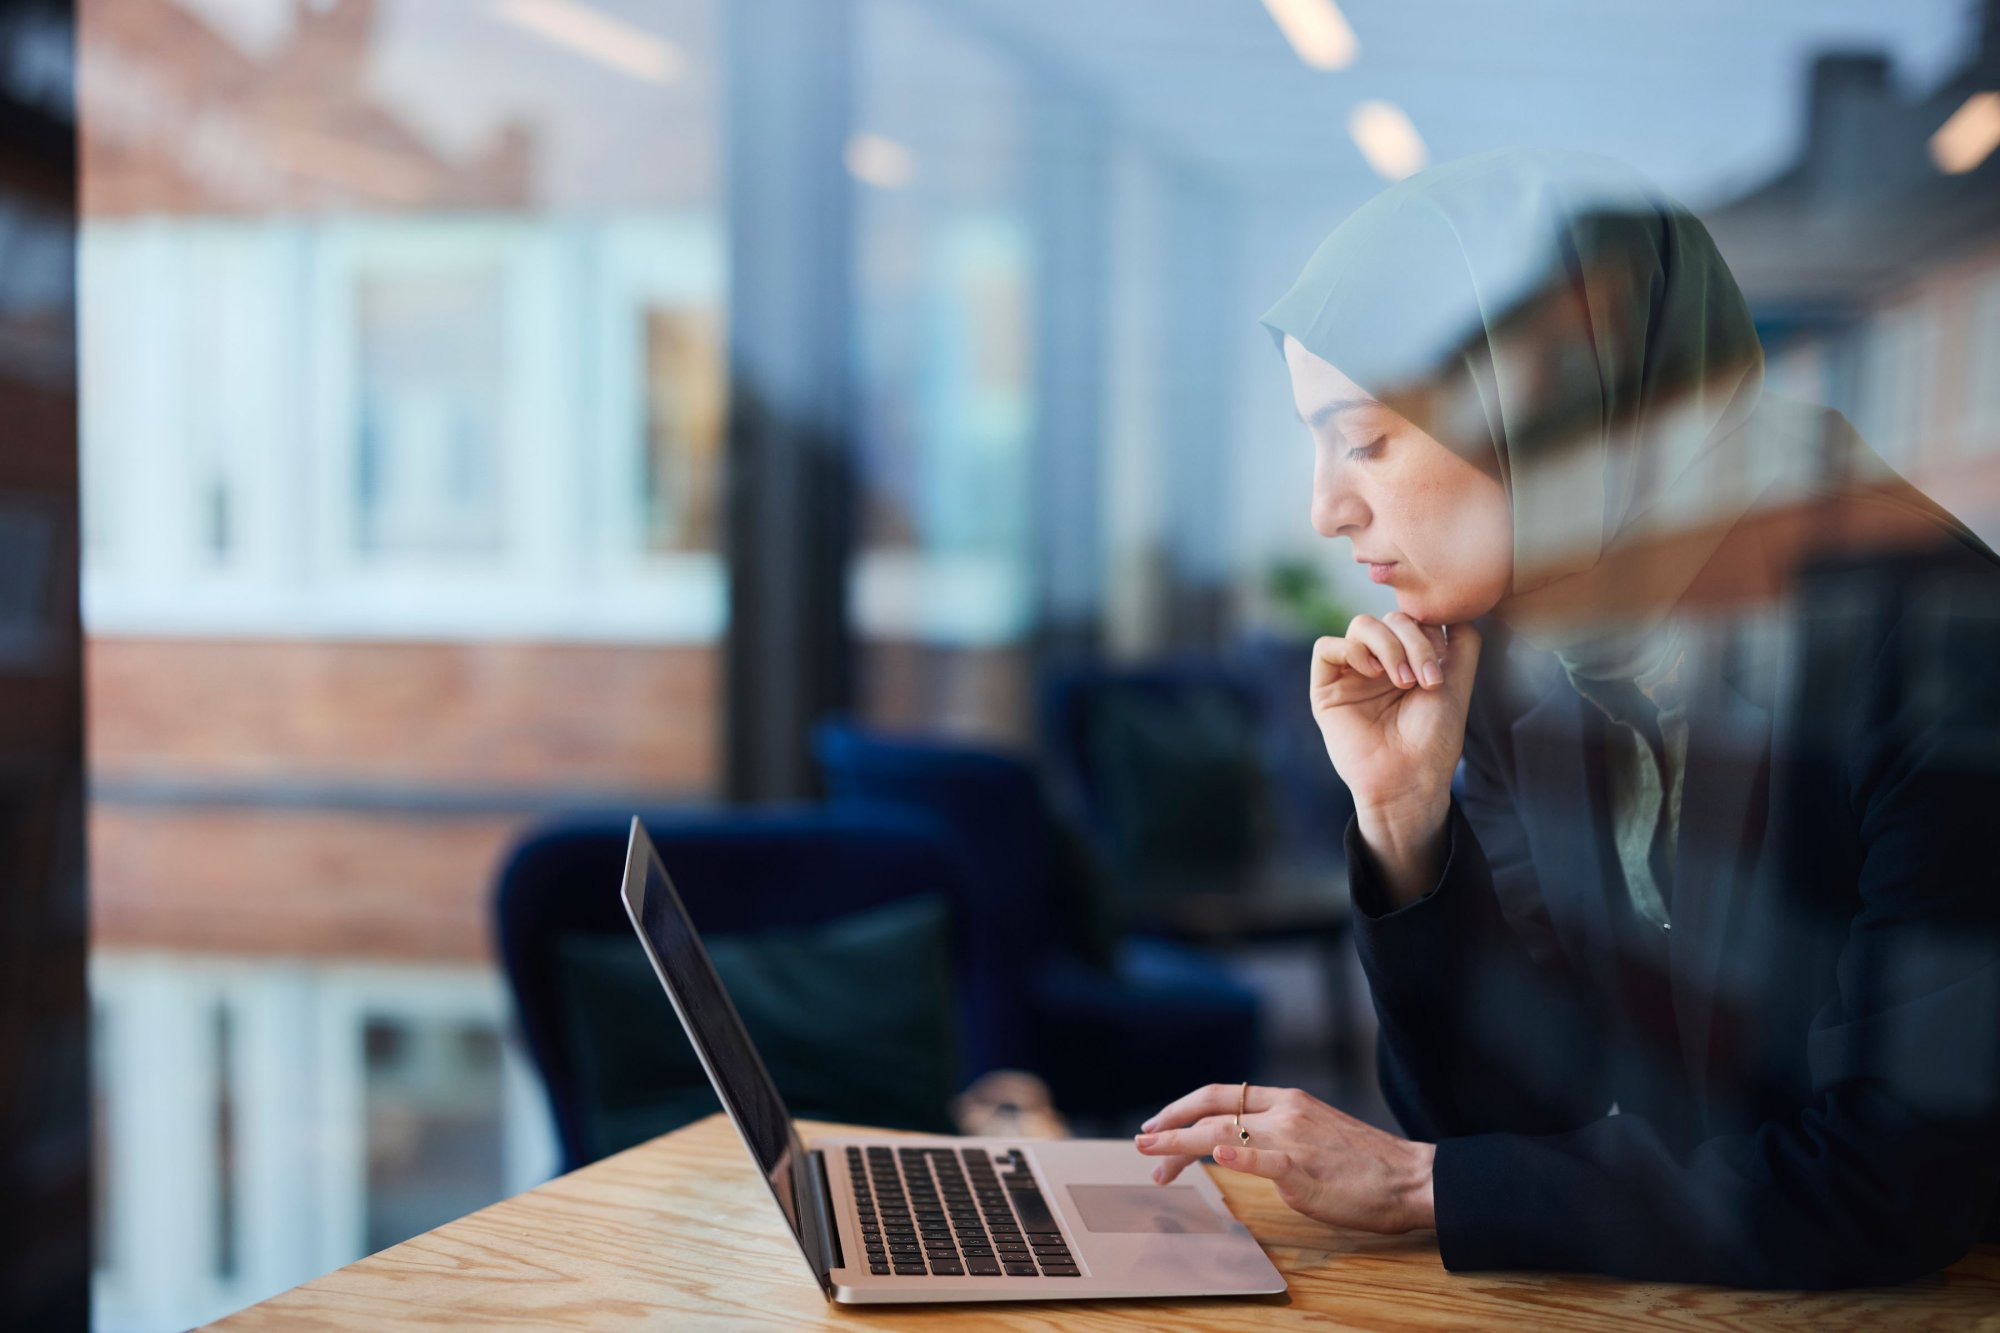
[1428,606]
[1417,607]
[1432,610]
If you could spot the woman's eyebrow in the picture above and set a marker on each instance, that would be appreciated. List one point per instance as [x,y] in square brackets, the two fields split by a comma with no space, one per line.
[1338,407]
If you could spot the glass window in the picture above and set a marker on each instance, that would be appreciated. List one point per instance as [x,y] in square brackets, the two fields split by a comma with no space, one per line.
[403,399]
[1981,415]
[681,458]
[434,1139]
[430,467]
[941,587]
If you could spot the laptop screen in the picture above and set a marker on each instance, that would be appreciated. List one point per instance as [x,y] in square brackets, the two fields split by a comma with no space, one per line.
[712,1024]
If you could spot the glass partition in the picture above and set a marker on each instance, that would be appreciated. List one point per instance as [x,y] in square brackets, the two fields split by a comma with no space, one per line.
[402,426]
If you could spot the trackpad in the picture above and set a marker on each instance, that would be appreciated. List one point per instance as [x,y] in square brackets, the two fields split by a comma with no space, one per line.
[1149,1208]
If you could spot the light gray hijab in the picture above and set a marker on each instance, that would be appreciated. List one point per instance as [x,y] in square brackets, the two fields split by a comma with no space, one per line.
[1574,332]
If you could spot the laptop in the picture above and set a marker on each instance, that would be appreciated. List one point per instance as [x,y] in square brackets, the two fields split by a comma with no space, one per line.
[883,1220]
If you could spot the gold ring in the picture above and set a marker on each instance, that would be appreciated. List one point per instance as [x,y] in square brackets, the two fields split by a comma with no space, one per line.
[1242,1099]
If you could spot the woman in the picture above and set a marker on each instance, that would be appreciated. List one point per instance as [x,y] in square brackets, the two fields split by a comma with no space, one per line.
[1695,973]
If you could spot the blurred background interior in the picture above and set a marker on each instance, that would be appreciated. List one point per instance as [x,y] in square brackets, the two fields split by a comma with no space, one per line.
[840,431]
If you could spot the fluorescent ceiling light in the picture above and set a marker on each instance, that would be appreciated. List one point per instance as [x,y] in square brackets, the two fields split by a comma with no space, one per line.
[1973,132]
[1316,30]
[598,36]
[1387,139]
[881,162]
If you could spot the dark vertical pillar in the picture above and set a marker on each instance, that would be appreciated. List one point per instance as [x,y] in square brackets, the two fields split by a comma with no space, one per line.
[1068,210]
[788,67]
[1201,246]
[44,1013]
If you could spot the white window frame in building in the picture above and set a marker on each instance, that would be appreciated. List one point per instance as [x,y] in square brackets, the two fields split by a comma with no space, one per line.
[1899,370]
[1979,404]
[294,1072]
[571,567]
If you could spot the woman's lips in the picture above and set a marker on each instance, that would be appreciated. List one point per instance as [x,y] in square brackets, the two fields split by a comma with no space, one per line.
[1381,573]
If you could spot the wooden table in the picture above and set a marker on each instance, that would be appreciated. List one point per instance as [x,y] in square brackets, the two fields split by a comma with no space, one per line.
[680,1233]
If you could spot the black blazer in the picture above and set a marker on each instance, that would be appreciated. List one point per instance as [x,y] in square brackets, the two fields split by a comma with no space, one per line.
[1806,1066]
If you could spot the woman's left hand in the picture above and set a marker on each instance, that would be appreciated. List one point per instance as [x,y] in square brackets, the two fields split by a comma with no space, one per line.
[1325,1163]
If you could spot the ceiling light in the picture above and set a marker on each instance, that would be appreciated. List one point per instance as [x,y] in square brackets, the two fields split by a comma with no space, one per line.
[879,161]
[1973,131]
[599,36]
[1316,30]
[1387,139]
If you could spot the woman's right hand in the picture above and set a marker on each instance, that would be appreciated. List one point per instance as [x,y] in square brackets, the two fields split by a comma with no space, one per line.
[1390,698]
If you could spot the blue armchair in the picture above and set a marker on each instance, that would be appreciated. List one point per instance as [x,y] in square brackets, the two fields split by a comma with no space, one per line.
[822,922]
[1112,1034]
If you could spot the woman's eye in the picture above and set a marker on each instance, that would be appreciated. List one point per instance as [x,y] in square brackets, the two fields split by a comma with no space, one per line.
[1368,450]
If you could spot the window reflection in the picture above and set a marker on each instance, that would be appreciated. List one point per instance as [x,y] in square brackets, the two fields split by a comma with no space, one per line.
[430,469]
[406,345]
[402,429]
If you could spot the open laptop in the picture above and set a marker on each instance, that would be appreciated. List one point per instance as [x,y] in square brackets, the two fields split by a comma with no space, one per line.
[946,1219]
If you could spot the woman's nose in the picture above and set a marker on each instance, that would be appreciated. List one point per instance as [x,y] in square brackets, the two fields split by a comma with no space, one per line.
[1336,510]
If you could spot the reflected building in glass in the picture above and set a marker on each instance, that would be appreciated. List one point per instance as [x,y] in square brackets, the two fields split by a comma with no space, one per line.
[402,443]
[420,405]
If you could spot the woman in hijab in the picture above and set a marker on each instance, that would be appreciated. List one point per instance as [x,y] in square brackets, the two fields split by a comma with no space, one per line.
[1693,971]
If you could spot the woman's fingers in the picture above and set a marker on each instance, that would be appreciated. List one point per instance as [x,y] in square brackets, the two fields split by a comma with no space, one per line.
[1333,655]
[1196,1140]
[1397,648]
[1270,1163]
[1426,662]
[1215,1099]
[1387,646]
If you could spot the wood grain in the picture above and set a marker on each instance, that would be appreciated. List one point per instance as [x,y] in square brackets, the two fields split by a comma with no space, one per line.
[680,1233]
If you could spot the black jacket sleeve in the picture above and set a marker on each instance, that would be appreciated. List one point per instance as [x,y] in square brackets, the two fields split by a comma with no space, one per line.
[1474,1034]
[1482,1024]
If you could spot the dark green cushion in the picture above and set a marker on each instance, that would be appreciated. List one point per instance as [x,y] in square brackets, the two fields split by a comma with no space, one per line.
[1181,785]
[854,1019]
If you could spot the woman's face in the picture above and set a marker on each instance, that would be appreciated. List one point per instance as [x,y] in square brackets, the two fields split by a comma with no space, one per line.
[1425,521]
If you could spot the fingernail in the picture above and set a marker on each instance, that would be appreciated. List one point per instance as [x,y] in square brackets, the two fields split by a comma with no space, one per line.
[1148,1126]
[1146,1140]
[1403,676]
[1432,676]
[1225,1153]
[1159,1175]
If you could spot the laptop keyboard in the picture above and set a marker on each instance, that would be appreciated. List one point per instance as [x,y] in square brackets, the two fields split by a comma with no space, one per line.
[955,1212]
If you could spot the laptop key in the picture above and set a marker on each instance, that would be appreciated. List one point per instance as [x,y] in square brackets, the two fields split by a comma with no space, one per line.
[1021,1270]
[982,1267]
[1034,1212]
[947,1269]
[879,1270]
[1060,1270]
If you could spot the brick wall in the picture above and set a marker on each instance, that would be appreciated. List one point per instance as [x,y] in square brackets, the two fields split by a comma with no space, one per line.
[462,715]
[176,725]
[295,882]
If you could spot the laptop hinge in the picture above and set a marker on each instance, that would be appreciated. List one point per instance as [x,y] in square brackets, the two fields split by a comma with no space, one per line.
[822,1206]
